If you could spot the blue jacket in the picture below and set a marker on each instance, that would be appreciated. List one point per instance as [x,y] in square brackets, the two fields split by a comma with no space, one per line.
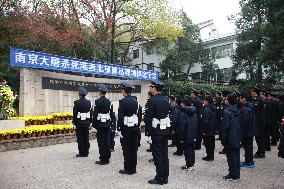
[102,105]
[231,129]
[209,120]
[248,121]
[197,103]
[157,107]
[83,106]
[188,125]
[175,117]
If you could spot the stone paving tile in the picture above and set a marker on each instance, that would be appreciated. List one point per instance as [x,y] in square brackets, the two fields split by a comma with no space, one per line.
[56,167]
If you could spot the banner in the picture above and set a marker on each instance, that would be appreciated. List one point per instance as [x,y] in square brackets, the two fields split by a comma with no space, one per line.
[71,85]
[32,59]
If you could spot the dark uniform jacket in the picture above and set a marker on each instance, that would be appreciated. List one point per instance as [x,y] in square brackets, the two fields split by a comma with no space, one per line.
[102,106]
[128,106]
[197,103]
[83,106]
[258,110]
[209,120]
[231,129]
[188,125]
[281,144]
[267,112]
[175,117]
[220,106]
[159,108]
[248,121]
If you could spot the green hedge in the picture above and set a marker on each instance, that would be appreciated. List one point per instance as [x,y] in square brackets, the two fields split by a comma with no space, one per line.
[185,87]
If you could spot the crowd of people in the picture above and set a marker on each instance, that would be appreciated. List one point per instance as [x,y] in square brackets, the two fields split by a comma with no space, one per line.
[189,121]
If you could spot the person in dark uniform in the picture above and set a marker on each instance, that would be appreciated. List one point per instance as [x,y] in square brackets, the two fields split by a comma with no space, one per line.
[158,121]
[197,103]
[223,105]
[257,102]
[208,127]
[249,130]
[102,123]
[188,131]
[173,136]
[82,118]
[267,119]
[174,125]
[219,111]
[231,137]
[275,115]
[112,131]
[146,131]
[139,122]
[127,124]
[281,144]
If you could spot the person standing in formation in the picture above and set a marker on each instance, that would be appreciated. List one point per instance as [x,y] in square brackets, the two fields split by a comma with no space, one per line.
[175,126]
[82,116]
[158,122]
[197,103]
[127,124]
[102,122]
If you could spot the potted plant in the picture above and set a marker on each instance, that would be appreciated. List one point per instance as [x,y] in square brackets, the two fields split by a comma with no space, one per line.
[22,134]
[6,135]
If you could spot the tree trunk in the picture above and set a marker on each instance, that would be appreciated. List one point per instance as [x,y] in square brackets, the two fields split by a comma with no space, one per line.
[113,32]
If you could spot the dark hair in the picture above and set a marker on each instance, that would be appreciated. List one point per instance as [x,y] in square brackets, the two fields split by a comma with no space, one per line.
[127,91]
[186,101]
[208,99]
[232,99]
[178,100]
[150,94]
[172,97]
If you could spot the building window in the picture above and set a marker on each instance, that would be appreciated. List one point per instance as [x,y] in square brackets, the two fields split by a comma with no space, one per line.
[135,53]
[222,51]
[227,74]
[149,50]
[150,66]
[196,75]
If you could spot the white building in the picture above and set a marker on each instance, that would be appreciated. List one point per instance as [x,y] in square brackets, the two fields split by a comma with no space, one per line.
[222,48]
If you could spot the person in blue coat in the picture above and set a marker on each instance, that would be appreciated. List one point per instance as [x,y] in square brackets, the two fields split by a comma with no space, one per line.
[208,126]
[248,128]
[128,126]
[197,103]
[174,125]
[188,131]
[158,122]
[231,137]
[102,122]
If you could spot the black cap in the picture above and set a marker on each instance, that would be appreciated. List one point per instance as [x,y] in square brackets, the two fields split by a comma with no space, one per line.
[127,86]
[207,93]
[195,91]
[255,89]
[245,95]
[158,84]
[264,93]
[103,88]
[82,91]
[225,93]
[219,93]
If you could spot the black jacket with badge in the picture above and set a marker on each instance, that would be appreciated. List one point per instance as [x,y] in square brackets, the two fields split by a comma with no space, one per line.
[102,106]
[188,125]
[175,117]
[258,109]
[159,108]
[231,128]
[209,120]
[197,103]
[82,106]
[128,106]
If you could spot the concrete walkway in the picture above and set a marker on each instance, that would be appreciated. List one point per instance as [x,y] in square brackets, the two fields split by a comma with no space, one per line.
[56,167]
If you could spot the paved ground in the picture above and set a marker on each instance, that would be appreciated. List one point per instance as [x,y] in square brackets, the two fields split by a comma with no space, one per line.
[56,167]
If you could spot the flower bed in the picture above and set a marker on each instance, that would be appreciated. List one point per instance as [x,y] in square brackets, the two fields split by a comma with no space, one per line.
[43,120]
[36,131]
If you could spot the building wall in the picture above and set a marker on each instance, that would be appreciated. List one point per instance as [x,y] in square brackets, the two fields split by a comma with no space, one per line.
[37,101]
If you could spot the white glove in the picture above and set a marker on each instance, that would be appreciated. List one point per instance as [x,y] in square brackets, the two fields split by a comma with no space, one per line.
[119,134]
[74,126]
[93,130]
[149,140]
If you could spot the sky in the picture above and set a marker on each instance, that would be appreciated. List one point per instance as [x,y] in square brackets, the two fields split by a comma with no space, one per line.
[218,10]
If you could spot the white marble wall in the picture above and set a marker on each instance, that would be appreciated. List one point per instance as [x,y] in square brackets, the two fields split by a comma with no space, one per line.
[37,101]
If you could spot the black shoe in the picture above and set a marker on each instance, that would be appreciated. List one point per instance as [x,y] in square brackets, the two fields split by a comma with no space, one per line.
[81,155]
[101,163]
[171,145]
[229,178]
[273,144]
[207,159]
[258,156]
[151,160]
[149,150]
[177,154]
[281,154]
[268,149]
[154,181]
[125,172]
[222,152]
[197,148]
[112,150]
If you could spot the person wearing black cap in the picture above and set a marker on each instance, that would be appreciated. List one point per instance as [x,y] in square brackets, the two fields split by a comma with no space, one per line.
[219,110]
[231,137]
[102,122]
[146,131]
[82,118]
[173,137]
[175,118]
[275,115]
[267,119]
[249,130]
[197,103]
[127,124]
[258,109]
[158,122]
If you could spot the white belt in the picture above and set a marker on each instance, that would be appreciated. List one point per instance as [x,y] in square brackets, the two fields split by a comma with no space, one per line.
[164,123]
[103,117]
[84,116]
[131,121]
